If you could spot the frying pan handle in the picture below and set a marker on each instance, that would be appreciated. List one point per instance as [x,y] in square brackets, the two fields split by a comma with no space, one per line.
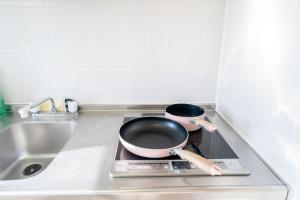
[201,162]
[207,125]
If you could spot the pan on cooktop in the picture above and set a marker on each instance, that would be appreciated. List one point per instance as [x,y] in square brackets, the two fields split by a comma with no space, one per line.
[202,142]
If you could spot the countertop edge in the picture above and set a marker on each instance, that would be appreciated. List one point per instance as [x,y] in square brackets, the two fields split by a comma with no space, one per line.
[123,107]
[172,189]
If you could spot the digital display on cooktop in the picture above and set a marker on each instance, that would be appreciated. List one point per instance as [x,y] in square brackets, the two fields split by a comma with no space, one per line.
[202,142]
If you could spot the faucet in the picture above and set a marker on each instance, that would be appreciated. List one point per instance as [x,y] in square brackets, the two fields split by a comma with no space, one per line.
[25,110]
[53,108]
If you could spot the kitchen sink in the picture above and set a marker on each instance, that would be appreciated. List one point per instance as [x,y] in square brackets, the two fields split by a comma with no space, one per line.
[26,149]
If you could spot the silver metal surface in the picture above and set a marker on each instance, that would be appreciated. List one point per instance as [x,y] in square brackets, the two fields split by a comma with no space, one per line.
[81,169]
[24,144]
[131,108]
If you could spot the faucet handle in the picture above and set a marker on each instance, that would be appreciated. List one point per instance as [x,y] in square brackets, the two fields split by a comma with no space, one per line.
[24,111]
[35,109]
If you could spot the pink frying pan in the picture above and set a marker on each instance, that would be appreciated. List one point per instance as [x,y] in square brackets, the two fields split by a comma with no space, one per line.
[157,137]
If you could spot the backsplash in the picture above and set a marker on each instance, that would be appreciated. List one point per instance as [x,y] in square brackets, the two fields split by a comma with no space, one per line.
[110,51]
[258,86]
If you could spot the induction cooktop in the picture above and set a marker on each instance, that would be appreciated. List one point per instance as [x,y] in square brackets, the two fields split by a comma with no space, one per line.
[209,145]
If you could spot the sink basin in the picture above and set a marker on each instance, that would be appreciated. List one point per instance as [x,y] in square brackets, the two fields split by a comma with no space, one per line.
[26,149]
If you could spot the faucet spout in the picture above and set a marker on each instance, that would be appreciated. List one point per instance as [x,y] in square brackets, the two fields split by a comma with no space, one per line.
[25,110]
[53,108]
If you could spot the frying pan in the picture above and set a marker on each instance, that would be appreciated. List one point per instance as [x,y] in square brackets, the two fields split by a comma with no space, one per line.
[156,137]
[190,116]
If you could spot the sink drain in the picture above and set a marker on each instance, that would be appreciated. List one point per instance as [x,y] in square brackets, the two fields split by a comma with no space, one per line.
[32,169]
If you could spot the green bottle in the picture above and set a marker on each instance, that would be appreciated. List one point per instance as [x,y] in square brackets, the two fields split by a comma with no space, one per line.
[4,109]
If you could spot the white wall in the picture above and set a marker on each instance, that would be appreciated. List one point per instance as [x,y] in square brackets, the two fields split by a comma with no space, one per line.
[110,51]
[259,82]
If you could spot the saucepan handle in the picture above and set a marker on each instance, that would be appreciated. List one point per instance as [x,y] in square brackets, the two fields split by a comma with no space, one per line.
[207,125]
[201,162]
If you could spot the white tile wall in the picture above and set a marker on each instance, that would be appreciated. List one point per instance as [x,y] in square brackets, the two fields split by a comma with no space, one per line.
[258,87]
[110,51]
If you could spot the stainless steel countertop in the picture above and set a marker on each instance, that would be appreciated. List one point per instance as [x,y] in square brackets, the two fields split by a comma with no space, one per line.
[82,167]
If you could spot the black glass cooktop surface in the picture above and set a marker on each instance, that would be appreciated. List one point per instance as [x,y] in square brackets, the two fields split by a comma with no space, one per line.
[202,142]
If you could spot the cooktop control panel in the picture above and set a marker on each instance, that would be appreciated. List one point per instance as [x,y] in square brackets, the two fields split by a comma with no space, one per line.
[131,168]
[181,165]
